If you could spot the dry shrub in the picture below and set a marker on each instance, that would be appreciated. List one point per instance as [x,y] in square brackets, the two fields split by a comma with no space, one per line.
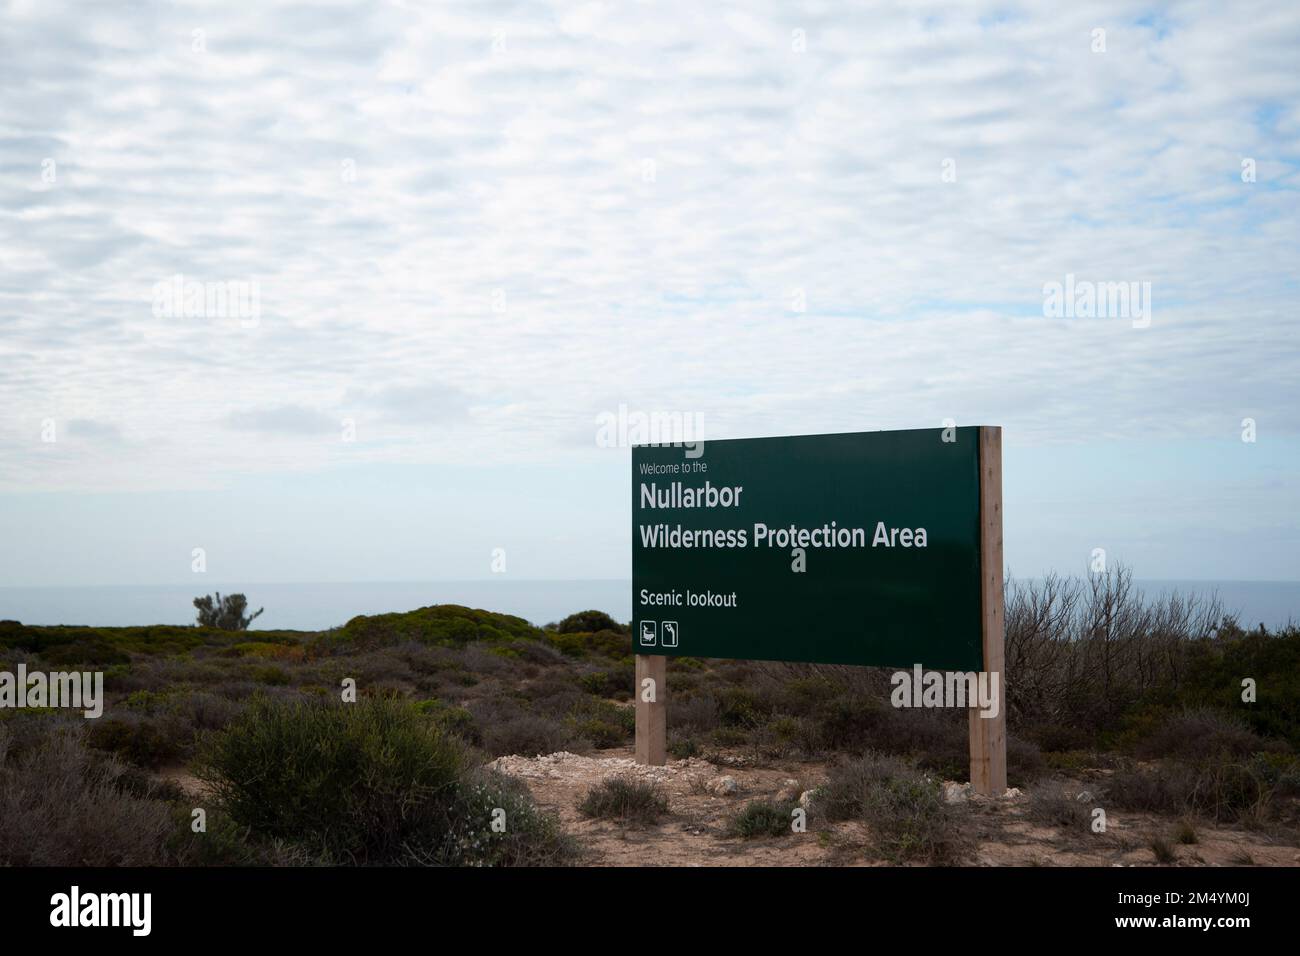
[62,804]
[903,807]
[625,799]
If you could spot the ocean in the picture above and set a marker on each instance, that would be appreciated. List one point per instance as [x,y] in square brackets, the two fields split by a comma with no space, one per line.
[321,605]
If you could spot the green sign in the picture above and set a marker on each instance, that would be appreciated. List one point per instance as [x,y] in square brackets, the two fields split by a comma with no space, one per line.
[839,549]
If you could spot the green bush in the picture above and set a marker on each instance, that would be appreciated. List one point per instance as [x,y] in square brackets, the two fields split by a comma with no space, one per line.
[456,720]
[683,748]
[849,722]
[609,683]
[760,818]
[1217,667]
[370,782]
[447,625]
[603,723]
[147,701]
[66,646]
[601,734]
[616,645]
[142,741]
[741,707]
[271,675]
[589,622]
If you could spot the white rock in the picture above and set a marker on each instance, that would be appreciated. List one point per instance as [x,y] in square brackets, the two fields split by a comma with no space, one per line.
[954,792]
[789,790]
[723,786]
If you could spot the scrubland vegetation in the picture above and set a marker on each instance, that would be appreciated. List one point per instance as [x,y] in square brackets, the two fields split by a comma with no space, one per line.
[1144,696]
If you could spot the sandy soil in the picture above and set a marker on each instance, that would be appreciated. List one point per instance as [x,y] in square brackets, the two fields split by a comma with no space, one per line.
[696,832]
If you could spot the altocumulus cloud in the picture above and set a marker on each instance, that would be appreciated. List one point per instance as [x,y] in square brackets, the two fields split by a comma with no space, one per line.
[94,430]
[426,403]
[546,209]
[283,420]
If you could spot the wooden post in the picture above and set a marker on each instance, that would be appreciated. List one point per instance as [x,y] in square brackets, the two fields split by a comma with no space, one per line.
[651,716]
[988,735]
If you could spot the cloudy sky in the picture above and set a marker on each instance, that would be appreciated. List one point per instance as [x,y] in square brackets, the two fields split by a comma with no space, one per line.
[473,228]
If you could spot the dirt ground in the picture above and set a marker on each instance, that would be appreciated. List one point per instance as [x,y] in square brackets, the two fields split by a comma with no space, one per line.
[695,834]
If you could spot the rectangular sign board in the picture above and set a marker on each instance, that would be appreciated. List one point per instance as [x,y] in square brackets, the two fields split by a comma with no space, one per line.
[859,548]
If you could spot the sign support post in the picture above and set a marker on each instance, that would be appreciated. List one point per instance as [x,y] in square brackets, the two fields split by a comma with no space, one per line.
[988,735]
[652,713]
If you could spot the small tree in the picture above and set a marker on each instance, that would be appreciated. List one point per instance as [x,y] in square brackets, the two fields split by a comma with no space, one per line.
[589,621]
[225,613]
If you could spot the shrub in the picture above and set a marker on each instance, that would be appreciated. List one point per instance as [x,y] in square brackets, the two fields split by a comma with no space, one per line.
[589,622]
[904,808]
[1185,833]
[692,715]
[603,723]
[741,707]
[557,693]
[269,650]
[729,737]
[1163,852]
[626,800]
[1221,788]
[1051,806]
[849,722]
[525,734]
[789,730]
[609,683]
[447,625]
[376,782]
[370,782]
[606,643]
[530,837]
[146,701]
[1024,761]
[683,748]
[760,818]
[62,646]
[453,719]
[142,741]
[601,734]
[223,843]
[62,804]
[1201,734]
[1060,738]
[271,675]
[204,711]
